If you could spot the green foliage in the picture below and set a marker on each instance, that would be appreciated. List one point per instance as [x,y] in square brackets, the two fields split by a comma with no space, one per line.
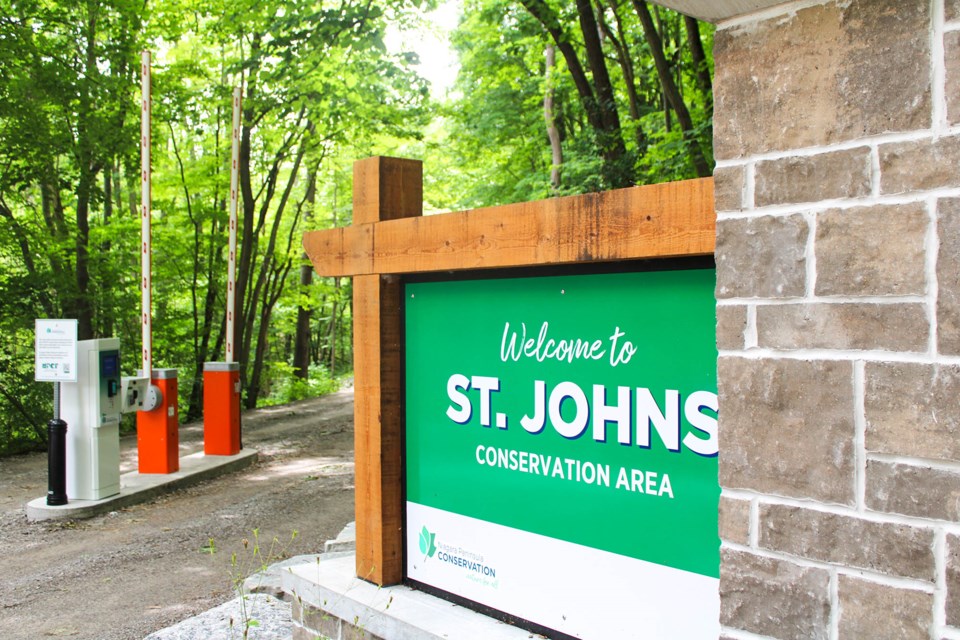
[25,406]
[668,155]
[321,89]
[285,387]
[494,147]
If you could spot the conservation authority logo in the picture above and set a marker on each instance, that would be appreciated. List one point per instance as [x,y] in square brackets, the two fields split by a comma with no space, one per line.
[428,546]
[470,563]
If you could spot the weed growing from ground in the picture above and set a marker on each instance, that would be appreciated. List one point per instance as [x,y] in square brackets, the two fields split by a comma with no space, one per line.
[254,559]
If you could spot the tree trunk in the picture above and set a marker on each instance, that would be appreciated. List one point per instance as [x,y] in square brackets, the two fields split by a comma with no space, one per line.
[117,187]
[247,314]
[556,151]
[301,348]
[202,351]
[620,45]
[107,305]
[549,20]
[618,172]
[269,281]
[700,64]
[597,98]
[334,323]
[272,291]
[52,208]
[670,90]
[82,308]
[82,305]
[248,206]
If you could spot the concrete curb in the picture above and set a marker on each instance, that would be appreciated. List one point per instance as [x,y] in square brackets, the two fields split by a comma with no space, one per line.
[331,602]
[136,488]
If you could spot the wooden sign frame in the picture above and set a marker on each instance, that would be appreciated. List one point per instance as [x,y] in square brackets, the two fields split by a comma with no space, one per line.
[390,238]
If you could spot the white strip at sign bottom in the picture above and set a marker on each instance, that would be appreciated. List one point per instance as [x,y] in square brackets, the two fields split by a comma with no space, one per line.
[576,590]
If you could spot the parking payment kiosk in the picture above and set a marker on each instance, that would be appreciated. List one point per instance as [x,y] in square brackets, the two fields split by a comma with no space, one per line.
[91,407]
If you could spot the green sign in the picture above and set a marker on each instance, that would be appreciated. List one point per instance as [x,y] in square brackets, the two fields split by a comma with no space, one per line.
[571,415]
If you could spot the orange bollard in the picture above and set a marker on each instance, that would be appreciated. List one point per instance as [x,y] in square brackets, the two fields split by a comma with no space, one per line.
[158,437]
[221,408]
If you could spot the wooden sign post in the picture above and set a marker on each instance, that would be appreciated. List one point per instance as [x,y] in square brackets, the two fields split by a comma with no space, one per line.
[390,238]
[384,189]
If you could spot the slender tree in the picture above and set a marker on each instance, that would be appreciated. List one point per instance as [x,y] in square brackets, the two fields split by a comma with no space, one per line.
[671,90]
[553,134]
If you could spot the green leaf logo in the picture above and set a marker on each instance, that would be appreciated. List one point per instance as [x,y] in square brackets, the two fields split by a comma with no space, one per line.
[427,543]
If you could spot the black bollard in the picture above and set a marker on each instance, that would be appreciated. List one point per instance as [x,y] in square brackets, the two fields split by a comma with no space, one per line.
[56,454]
[57,462]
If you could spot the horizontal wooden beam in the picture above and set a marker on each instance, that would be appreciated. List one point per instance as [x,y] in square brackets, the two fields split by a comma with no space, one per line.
[657,221]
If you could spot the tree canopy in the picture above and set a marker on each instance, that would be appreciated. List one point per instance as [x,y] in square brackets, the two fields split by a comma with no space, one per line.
[553,97]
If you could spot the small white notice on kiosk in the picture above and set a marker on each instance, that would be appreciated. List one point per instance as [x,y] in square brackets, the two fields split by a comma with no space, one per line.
[56,351]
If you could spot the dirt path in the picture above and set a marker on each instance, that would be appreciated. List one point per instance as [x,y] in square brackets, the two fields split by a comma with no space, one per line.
[140,569]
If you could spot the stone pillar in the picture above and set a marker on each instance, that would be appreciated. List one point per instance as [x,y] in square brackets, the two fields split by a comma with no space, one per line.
[838,305]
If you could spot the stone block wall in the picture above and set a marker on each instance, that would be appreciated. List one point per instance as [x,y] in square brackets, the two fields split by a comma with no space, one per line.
[312,622]
[837,131]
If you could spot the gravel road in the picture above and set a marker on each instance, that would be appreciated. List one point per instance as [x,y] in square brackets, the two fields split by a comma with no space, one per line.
[143,568]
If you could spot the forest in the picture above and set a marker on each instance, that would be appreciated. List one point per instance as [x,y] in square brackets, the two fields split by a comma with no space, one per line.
[552,97]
